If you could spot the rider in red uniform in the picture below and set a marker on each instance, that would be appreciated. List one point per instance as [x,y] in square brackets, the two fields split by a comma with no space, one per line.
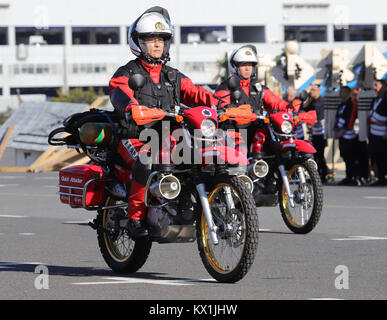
[149,39]
[242,64]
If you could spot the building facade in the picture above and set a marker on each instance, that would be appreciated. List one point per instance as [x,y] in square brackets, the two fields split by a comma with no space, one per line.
[51,44]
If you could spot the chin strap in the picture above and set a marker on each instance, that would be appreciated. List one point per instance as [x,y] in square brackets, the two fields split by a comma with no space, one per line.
[151,60]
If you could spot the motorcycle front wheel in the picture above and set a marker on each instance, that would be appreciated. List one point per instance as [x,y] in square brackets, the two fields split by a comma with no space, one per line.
[306,188]
[121,253]
[236,219]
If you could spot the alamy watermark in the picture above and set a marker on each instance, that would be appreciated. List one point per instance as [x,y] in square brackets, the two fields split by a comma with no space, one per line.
[179,146]
[42,280]
[342,280]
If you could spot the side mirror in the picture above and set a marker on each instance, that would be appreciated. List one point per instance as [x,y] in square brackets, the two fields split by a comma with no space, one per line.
[233,83]
[136,82]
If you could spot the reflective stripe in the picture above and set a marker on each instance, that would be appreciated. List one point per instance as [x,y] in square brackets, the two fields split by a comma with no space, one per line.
[376,128]
[318,128]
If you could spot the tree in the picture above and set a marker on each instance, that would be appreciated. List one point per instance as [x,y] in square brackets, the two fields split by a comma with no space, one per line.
[78,95]
[5,115]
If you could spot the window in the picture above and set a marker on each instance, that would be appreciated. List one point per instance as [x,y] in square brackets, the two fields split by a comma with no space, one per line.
[3,36]
[1,91]
[39,69]
[309,5]
[96,35]
[199,66]
[356,33]
[385,32]
[243,34]
[204,34]
[89,68]
[1,69]
[97,89]
[49,91]
[306,33]
[33,36]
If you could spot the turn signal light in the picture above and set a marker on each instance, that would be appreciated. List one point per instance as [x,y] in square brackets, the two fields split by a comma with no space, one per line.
[267,120]
[223,117]
[179,118]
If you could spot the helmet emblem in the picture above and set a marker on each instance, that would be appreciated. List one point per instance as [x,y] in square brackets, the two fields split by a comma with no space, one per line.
[206,113]
[285,116]
[248,53]
[159,26]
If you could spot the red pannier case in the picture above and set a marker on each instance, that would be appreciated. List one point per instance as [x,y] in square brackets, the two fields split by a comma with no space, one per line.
[82,186]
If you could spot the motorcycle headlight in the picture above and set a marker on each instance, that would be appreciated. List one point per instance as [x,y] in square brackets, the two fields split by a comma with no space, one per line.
[208,128]
[286,127]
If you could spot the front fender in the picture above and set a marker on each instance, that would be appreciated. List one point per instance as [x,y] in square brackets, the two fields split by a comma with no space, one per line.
[224,154]
[300,145]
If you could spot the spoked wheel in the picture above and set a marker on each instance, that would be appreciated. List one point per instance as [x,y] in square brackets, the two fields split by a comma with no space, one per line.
[236,219]
[305,185]
[121,253]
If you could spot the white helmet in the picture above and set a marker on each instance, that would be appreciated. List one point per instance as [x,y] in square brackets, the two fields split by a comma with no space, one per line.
[247,53]
[153,22]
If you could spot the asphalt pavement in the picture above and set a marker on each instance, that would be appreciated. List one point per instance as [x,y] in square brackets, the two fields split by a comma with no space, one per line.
[47,251]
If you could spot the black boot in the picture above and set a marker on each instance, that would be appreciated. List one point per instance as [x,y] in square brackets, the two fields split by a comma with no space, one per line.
[137,228]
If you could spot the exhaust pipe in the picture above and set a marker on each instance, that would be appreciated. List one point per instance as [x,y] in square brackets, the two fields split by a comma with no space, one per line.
[260,169]
[168,187]
[247,181]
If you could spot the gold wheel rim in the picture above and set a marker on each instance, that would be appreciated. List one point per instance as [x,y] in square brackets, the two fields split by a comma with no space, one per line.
[111,246]
[205,233]
[285,203]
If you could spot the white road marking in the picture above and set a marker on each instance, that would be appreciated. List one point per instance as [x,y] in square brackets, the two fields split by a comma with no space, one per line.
[376,198]
[265,230]
[324,299]
[27,234]
[47,178]
[355,207]
[77,222]
[9,265]
[359,238]
[11,216]
[9,185]
[120,280]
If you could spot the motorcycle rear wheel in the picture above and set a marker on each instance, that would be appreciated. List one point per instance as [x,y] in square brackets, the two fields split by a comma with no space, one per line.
[121,253]
[304,217]
[237,231]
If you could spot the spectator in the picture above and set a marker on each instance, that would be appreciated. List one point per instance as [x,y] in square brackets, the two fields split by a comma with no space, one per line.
[290,96]
[348,138]
[316,102]
[378,132]
[362,154]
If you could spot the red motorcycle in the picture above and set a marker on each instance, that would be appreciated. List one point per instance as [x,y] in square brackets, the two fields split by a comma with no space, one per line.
[281,167]
[199,197]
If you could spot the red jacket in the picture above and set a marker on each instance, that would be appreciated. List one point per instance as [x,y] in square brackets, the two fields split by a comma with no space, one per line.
[123,100]
[270,100]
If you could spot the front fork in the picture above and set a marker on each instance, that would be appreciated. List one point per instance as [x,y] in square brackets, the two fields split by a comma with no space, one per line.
[285,181]
[201,188]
